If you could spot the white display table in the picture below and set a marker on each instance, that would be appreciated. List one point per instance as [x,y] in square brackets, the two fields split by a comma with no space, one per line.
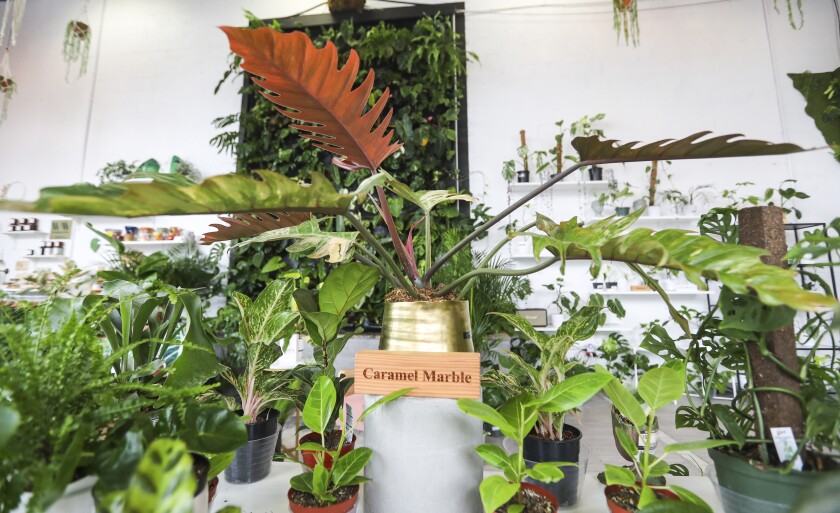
[269,495]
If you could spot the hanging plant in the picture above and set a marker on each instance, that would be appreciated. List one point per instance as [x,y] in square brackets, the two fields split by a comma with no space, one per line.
[77,46]
[626,20]
[7,85]
[12,19]
[790,13]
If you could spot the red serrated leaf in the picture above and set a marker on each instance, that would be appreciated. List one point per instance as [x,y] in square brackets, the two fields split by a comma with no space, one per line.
[307,83]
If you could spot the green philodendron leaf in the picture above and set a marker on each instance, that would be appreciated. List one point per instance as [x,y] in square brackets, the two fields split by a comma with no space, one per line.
[345,286]
[572,392]
[744,313]
[164,481]
[426,200]
[727,418]
[116,465]
[350,465]
[218,463]
[322,327]
[690,497]
[626,442]
[548,471]
[624,401]
[319,405]
[660,386]
[9,422]
[672,506]
[646,497]
[321,482]
[592,148]
[521,414]
[738,267]
[382,401]
[213,429]
[484,413]
[197,362]
[659,469]
[619,476]
[221,194]
[494,456]
[495,491]
[302,482]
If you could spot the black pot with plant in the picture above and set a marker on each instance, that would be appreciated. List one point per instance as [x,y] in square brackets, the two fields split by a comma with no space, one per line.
[252,462]
[596,173]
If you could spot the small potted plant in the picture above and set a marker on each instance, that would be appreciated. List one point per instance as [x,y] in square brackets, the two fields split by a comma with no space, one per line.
[617,195]
[653,210]
[631,490]
[696,195]
[265,321]
[677,199]
[509,170]
[333,488]
[515,419]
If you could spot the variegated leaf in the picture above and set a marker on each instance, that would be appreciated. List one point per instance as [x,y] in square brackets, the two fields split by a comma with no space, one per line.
[238,226]
[311,241]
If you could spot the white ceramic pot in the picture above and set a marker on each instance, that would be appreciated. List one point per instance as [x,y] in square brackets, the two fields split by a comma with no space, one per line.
[77,498]
[653,211]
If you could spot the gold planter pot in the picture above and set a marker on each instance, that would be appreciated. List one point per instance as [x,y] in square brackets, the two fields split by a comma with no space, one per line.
[427,326]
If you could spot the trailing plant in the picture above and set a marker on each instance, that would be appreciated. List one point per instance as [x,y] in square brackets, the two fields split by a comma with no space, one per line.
[790,13]
[780,196]
[8,86]
[626,21]
[325,482]
[116,171]
[616,195]
[76,50]
[657,388]
[621,360]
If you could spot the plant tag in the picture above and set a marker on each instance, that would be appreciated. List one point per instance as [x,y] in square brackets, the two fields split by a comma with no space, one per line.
[643,441]
[348,420]
[785,444]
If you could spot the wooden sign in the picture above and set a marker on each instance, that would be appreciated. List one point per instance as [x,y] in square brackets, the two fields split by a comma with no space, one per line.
[448,375]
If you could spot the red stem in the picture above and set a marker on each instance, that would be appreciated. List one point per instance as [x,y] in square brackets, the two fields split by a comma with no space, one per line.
[399,247]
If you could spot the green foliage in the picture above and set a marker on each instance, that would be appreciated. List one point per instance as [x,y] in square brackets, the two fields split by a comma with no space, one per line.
[516,419]
[621,361]
[822,102]
[420,64]
[657,388]
[323,482]
[115,171]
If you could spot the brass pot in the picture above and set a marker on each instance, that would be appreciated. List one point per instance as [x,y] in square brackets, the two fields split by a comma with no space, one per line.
[427,326]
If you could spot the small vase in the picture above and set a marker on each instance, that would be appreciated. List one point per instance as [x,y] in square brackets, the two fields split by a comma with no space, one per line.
[523,176]
[597,208]
[622,211]
[653,211]
[639,204]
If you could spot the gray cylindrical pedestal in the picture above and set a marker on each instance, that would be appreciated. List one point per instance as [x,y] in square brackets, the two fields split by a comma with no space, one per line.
[424,457]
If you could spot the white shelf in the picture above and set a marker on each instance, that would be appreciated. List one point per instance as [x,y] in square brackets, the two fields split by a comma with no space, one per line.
[530,186]
[656,219]
[602,329]
[151,242]
[652,293]
[46,257]
[23,234]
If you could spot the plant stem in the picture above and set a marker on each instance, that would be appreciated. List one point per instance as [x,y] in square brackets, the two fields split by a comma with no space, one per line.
[398,273]
[495,220]
[370,260]
[496,272]
[428,223]
[489,256]
[385,210]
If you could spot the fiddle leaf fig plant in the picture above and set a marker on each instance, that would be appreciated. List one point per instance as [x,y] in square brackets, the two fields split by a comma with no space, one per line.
[324,481]
[657,388]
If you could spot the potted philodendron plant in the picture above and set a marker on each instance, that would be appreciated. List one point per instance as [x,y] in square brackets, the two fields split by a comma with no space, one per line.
[551,439]
[419,315]
[323,313]
[265,321]
[332,486]
[632,490]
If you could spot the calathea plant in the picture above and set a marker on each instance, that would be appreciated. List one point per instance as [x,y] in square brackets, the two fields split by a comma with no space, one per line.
[339,481]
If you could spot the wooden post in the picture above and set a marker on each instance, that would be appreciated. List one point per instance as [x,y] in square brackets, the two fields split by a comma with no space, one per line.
[523,145]
[764,227]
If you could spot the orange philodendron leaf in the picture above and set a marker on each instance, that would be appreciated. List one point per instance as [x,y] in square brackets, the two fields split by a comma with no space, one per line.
[239,226]
[308,86]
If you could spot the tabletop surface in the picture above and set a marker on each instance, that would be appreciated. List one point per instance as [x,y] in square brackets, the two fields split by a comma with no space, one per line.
[269,495]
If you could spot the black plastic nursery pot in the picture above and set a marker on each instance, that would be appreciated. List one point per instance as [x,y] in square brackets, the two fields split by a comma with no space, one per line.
[538,450]
[745,488]
[523,176]
[253,460]
[622,211]
[596,173]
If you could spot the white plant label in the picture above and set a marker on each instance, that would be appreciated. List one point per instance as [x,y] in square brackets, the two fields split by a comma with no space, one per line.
[348,420]
[643,441]
[785,444]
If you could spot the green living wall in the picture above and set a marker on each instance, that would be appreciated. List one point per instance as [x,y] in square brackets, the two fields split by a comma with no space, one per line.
[422,61]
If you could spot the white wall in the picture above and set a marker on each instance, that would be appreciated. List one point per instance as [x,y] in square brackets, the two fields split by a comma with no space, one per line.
[702,65]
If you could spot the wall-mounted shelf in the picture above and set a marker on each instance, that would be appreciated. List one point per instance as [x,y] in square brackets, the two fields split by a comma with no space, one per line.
[151,242]
[530,186]
[602,329]
[654,219]
[23,234]
[652,293]
[46,257]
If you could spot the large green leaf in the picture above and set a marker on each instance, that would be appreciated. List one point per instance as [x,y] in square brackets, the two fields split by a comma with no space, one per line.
[594,150]
[310,241]
[9,421]
[496,491]
[522,324]
[660,386]
[521,415]
[484,413]
[223,194]
[822,109]
[164,481]
[197,362]
[345,286]
[319,405]
[270,318]
[738,267]
[426,200]
[619,476]
[496,457]
[213,429]
[696,445]
[350,465]
[623,400]
[572,392]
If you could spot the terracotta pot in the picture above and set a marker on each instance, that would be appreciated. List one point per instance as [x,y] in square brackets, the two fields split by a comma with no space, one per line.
[309,456]
[342,507]
[541,491]
[615,508]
